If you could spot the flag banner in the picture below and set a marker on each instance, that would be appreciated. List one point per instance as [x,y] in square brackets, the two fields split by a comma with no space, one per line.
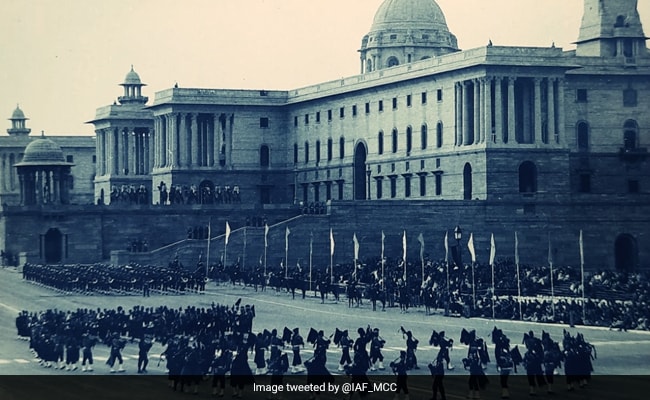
[286,238]
[383,237]
[421,240]
[331,242]
[266,235]
[446,247]
[209,229]
[227,231]
[470,247]
[493,250]
[516,249]
[404,246]
[311,244]
[356,246]
[550,251]
[582,253]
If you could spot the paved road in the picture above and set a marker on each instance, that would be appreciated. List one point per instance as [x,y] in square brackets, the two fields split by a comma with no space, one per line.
[619,353]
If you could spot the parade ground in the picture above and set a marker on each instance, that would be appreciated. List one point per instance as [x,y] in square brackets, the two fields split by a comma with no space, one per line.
[623,358]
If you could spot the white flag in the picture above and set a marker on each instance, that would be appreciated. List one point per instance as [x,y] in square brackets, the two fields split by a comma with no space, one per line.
[227,232]
[266,235]
[404,245]
[493,250]
[286,239]
[356,246]
[446,247]
[470,247]
[331,242]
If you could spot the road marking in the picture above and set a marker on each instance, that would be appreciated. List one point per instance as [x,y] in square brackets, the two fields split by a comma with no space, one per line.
[21,361]
[10,308]
[5,361]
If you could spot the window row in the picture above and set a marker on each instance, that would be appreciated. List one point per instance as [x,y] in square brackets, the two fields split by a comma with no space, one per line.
[408,183]
[394,138]
[330,150]
[380,108]
[630,135]
[629,97]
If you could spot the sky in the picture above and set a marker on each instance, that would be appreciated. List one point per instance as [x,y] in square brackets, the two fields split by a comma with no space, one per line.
[61,60]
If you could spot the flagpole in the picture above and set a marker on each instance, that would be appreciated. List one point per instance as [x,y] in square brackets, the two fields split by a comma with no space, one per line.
[404,246]
[207,257]
[311,245]
[225,247]
[243,267]
[582,276]
[493,252]
[421,237]
[286,252]
[266,231]
[550,263]
[470,246]
[521,317]
[447,261]
[493,293]
[382,261]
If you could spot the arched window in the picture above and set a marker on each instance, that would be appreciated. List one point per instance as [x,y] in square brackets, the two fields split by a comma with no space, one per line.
[318,151]
[306,152]
[380,142]
[527,177]
[394,141]
[582,131]
[630,134]
[620,21]
[264,156]
[409,140]
[439,134]
[392,62]
[341,147]
[330,145]
[369,65]
[467,182]
[423,136]
[295,153]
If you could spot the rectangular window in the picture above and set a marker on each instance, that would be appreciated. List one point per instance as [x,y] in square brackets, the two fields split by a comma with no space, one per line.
[423,185]
[408,100]
[407,186]
[69,159]
[94,159]
[394,103]
[585,183]
[629,98]
[424,97]
[317,116]
[633,186]
[379,188]
[354,110]
[393,187]
[342,112]
[438,184]
[306,119]
[295,121]
[380,105]
[340,190]
[439,94]
[264,122]
[367,108]
[421,164]
[581,95]
[437,163]
[329,115]
[328,191]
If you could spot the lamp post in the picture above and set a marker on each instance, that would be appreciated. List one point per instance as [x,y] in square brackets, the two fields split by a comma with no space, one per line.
[295,185]
[458,235]
[368,172]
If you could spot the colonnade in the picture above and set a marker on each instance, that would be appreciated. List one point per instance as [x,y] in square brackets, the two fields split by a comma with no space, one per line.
[44,185]
[124,151]
[506,109]
[192,140]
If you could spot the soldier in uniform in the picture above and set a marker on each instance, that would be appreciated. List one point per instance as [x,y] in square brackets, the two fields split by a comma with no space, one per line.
[343,340]
[399,367]
[143,353]
[376,357]
[116,344]
[533,360]
[297,342]
[437,369]
[504,359]
[88,341]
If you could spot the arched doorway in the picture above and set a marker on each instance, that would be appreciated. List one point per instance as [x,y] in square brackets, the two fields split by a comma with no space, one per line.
[467,182]
[360,154]
[53,245]
[626,253]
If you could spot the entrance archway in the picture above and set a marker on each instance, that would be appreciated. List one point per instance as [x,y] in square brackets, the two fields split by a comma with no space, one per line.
[53,245]
[360,154]
[626,253]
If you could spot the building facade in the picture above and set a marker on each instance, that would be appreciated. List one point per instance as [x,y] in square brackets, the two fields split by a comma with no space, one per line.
[497,138]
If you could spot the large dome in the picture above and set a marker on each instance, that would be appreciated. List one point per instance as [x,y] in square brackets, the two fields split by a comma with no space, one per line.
[43,151]
[409,14]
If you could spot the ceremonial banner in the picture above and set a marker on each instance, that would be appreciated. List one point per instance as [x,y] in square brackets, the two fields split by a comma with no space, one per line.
[493,250]
[382,244]
[516,249]
[421,240]
[286,239]
[227,232]
[331,242]
[446,247]
[356,247]
[266,235]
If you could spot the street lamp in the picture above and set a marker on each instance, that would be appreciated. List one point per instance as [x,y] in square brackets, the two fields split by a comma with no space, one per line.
[368,172]
[458,235]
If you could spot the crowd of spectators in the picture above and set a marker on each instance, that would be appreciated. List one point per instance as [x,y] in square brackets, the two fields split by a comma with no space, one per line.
[193,194]
[128,194]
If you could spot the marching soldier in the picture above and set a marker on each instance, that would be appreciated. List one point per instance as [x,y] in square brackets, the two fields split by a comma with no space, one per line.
[143,353]
[399,367]
[342,340]
[116,344]
[297,342]
[220,365]
[533,360]
[438,373]
[376,357]
[88,341]
[504,359]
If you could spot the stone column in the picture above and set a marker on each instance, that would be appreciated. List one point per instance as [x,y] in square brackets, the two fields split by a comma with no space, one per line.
[511,109]
[459,113]
[154,142]
[231,127]
[120,152]
[164,160]
[538,110]
[551,110]
[477,111]
[182,141]
[559,138]
[195,140]
[134,152]
[173,140]
[216,131]
[98,153]
[55,196]
[209,126]
[498,110]
[487,102]
[467,116]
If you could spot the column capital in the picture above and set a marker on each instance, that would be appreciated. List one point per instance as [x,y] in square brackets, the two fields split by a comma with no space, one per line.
[511,79]
[537,80]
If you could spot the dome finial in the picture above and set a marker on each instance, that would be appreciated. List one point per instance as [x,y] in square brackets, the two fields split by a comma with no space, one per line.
[42,134]
[131,67]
